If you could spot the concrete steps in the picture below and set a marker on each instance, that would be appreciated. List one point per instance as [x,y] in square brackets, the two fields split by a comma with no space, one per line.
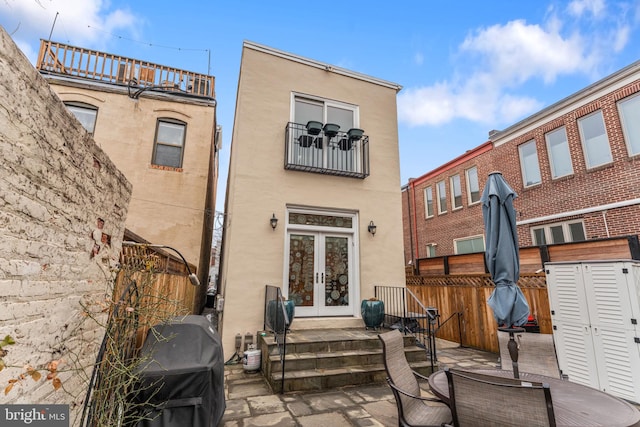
[331,358]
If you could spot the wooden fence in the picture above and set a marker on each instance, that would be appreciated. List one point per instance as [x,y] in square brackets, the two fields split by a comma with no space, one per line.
[468,294]
[533,258]
[461,284]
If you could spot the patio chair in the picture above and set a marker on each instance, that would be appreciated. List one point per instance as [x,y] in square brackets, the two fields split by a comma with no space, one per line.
[536,353]
[413,409]
[480,400]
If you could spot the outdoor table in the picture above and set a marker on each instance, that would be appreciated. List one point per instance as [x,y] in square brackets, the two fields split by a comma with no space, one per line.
[573,404]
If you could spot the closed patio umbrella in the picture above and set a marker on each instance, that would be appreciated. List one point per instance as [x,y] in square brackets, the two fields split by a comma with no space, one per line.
[507,301]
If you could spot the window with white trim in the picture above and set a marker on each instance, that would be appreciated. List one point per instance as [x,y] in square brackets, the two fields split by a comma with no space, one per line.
[428,202]
[456,192]
[473,185]
[168,148]
[561,232]
[469,245]
[529,163]
[629,110]
[441,189]
[559,154]
[431,250]
[85,113]
[595,141]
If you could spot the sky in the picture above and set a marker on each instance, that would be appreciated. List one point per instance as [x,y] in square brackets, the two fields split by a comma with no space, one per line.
[466,67]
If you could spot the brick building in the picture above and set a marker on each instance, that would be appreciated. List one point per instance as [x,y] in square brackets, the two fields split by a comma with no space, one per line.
[575,166]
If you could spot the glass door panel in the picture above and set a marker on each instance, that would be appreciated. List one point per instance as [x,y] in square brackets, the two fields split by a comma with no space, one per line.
[302,266]
[336,255]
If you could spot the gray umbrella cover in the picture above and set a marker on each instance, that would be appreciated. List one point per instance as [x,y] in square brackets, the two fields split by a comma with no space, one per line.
[507,301]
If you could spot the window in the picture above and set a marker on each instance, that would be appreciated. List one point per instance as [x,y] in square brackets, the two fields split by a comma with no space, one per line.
[428,202]
[442,197]
[469,245]
[630,116]
[456,192]
[529,163]
[338,152]
[169,144]
[564,232]
[473,187]
[85,113]
[594,140]
[559,155]
[431,250]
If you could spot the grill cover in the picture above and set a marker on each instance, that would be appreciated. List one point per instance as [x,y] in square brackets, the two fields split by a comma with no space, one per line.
[181,375]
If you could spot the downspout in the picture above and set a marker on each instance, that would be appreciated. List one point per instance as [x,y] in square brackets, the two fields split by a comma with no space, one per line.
[410,224]
[604,218]
[415,231]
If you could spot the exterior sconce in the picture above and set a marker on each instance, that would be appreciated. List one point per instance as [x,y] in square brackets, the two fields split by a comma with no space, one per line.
[274,221]
[372,228]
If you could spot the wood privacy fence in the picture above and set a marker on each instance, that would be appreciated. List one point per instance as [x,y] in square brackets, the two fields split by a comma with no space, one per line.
[461,284]
[157,297]
[467,294]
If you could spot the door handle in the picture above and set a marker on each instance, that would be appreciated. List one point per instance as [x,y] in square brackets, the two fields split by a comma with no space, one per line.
[316,277]
[322,280]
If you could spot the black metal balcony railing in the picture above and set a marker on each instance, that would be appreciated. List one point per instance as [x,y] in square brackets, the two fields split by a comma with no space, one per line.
[337,155]
[63,59]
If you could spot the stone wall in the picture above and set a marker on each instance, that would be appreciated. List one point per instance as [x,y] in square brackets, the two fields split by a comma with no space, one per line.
[63,206]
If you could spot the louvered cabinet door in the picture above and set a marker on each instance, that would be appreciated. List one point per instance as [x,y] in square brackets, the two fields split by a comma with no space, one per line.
[570,318]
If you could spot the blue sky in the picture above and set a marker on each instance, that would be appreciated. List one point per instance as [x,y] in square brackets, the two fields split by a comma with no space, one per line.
[466,67]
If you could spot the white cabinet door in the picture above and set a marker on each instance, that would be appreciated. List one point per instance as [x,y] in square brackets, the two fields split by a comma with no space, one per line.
[570,318]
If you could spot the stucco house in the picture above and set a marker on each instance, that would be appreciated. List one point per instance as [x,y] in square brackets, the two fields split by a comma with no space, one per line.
[313,201]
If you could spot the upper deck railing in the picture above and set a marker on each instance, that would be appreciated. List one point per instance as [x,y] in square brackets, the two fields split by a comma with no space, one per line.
[62,59]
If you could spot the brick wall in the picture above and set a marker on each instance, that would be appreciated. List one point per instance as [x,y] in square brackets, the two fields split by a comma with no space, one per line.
[612,183]
[54,185]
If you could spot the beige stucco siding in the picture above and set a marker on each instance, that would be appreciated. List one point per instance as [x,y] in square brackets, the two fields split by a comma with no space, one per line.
[260,186]
[167,206]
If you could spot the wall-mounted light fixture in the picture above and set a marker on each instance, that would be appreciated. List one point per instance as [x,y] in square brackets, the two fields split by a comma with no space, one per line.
[372,228]
[273,221]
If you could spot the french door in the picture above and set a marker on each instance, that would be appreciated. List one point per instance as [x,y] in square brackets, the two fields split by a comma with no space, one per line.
[320,276]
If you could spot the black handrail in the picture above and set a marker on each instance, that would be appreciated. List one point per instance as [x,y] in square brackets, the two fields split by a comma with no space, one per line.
[403,311]
[440,325]
[277,320]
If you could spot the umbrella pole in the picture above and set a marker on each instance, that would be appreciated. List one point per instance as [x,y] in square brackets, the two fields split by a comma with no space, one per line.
[512,346]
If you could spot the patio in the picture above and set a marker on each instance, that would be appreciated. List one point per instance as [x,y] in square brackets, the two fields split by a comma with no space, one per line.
[250,401]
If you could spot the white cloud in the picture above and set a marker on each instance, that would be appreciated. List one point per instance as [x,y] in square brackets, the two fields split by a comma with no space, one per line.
[82,23]
[579,8]
[497,60]
[418,58]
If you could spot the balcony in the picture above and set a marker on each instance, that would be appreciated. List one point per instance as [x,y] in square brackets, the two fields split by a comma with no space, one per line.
[339,154]
[138,76]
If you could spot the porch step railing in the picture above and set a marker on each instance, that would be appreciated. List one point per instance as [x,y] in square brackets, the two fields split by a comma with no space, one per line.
[404,311]
[276,321]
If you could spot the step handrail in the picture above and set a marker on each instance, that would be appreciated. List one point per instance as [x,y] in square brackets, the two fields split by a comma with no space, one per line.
[275,311]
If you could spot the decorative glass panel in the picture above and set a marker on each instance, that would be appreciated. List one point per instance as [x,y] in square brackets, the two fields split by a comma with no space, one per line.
[301,269]
[322,220]
[336,271]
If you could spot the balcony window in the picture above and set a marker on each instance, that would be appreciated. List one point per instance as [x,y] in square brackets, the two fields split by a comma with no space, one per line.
[473,186]
[529,164]
[428,202]
[629,109]
[595,142]
[456,192]
[559,155]
[85,113]
[340,148]
[169,144]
